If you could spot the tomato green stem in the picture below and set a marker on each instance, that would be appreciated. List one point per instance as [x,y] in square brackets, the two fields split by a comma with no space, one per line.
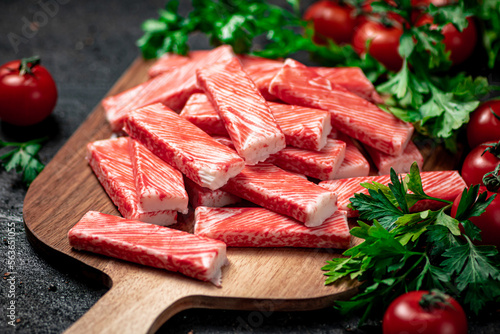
[438,199]
[435,298]
[493,149]
[27,65]
[492,180]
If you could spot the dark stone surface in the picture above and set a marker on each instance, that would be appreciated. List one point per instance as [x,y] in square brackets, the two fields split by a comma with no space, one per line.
[87,45]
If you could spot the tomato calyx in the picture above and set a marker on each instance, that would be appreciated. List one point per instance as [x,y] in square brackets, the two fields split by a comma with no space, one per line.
[27,64]
[434,299]
[492,180]
[493,149]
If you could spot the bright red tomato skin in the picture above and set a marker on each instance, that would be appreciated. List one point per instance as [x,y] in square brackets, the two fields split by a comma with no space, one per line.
[384,43]
[488,222]
[483,125]
[331,20]
[405,315]
[460,44]
[475,165]
[26,99]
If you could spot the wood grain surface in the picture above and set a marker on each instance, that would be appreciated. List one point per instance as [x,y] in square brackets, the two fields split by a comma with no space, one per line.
[141,299]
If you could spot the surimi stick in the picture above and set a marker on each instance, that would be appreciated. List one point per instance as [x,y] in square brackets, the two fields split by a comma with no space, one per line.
[354,163]
[283,192]
[110,161]
[261,71]
[183,145]
[171,88]
[353,79]
[360,119]
[259,227]
[322,165]
[305,128]
[150,245]
[199,111]
[400,163]
[245,113]
[159,186]
[171,61]
[199,196]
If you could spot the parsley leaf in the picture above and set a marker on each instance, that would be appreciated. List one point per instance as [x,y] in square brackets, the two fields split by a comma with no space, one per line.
[389,204]
[477,270]
[23,158]
[471,204]
[448,113]
[404,251]
[376,206]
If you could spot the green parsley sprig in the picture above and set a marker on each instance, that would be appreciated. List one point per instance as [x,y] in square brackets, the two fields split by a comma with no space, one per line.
[23,158]
[404,251]
[237,23]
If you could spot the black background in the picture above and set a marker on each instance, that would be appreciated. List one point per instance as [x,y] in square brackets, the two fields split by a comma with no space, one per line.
[87,45]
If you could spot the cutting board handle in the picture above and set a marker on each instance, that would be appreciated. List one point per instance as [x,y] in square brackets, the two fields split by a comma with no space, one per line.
[134,306]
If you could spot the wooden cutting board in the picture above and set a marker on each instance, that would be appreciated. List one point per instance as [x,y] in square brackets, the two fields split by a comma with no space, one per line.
[141,299]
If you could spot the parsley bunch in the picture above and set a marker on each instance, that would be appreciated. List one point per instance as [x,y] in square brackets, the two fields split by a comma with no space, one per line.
[23,158]
[404,251]
[238,23]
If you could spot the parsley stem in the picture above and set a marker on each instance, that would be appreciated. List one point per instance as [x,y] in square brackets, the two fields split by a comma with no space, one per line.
[439,200]
[415,265]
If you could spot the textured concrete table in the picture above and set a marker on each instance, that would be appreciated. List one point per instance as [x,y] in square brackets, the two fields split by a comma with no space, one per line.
[87,45]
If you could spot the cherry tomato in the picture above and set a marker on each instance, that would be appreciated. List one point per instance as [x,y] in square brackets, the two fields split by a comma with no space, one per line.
[407,314]
[384,42]
[484,124]
[460,44]
[476,164]
[28,94]
[488,222]
[331,20]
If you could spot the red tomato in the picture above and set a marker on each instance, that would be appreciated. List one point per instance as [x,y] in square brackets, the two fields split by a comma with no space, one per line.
[331,21]
[384,43]
[406,315]
[484,124]
[488,222]
[26,98]
[460,44]
[476,164]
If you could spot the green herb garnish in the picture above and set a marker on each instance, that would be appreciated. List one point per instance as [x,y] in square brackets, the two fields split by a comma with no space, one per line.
[404,251]
[23,158]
